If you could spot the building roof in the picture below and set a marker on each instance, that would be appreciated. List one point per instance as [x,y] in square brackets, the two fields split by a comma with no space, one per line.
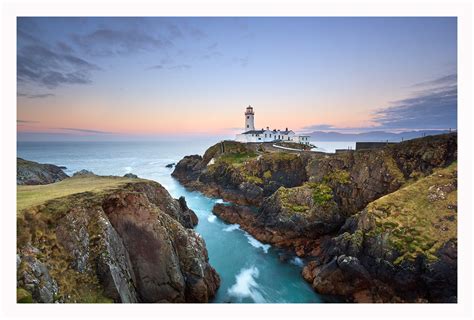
[263,131]
[254,132]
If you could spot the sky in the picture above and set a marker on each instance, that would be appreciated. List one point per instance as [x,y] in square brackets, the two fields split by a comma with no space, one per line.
[175,77]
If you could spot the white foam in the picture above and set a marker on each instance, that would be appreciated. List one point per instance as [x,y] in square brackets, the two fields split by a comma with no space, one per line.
[257,244]
[128,169]
[297,261]
[211,218]
[232,227]
[245,285]
[219,201]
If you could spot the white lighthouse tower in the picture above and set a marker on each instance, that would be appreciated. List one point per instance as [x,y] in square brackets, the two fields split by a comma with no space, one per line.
[249,120]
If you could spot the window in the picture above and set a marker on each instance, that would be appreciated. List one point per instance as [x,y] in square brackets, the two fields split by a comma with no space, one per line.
[265,135]
[288,138]
[248,117]
[247,126]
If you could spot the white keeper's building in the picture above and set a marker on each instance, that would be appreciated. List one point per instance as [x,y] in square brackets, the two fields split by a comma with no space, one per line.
[267,135]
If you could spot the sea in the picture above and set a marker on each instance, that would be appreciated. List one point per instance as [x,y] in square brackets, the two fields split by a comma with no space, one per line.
[250,271]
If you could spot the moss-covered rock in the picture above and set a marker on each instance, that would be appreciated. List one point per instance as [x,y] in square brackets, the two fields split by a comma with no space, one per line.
[125,241]
[406,241]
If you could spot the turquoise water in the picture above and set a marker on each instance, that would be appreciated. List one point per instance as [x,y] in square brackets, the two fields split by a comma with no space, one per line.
[250,271]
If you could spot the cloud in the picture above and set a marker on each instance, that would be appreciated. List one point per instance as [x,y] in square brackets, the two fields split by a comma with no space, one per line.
[43,66]
[195,32]
[243,61]
[180,67]
[450,79]
[155,67]
[79,130]
[109,42]
[432,108]
[35,96]
[26,121]
[320,127]
[64,47]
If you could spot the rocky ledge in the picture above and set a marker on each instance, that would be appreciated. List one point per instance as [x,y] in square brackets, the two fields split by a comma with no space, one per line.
[109,239]
[242,173]
[318,206]
[33,173]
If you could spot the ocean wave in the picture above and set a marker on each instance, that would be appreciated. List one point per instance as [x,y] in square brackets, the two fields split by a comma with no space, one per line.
[245,285]
[232,227]
[128,169]
[257,244]
[297,261]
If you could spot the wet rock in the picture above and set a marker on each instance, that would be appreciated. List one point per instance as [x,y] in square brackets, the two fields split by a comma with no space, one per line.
[170,165]
[130,175]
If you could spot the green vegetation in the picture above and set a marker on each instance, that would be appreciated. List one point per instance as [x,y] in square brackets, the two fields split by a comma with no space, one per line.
[322,193]
[39,210]
[253,179]
[279,156]
[267,174]
[419,218]
[338,176]
[392,167]
[23,296]
[28,196]
[237,159]
[295,199]
[224,147]
[299,208]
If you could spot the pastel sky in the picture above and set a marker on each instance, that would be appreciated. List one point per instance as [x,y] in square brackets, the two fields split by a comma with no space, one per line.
[195,76]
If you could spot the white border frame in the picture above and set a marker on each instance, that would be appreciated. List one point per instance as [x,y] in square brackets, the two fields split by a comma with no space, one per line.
[11,9]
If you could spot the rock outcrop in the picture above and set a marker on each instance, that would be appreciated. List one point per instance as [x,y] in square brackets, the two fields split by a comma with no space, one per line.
[322,206]
[129,241]
[34,173]
[401,247]
[241,173]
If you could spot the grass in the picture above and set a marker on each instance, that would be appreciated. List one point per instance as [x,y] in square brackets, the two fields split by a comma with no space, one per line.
[29,196]
[417,223]
[393,169]
[238,158]
[23,296]
[39,207]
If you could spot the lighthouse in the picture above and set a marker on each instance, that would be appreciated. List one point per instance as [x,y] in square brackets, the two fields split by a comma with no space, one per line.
[249,119]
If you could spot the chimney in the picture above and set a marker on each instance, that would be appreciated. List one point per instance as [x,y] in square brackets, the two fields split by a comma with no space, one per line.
[286,128]
[267,128]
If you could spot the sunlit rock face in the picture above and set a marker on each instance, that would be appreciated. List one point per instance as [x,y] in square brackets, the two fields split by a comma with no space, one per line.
[129,243]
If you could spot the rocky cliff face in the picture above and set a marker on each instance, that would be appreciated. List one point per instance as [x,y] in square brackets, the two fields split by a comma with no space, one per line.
[242,173]
[401,247]
[129,241]
[33,173]
[320,211]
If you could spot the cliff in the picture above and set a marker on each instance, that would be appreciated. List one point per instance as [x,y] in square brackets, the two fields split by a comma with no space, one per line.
[400,247]
[33,173]
[242,173]
[109,239]
[307,201]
